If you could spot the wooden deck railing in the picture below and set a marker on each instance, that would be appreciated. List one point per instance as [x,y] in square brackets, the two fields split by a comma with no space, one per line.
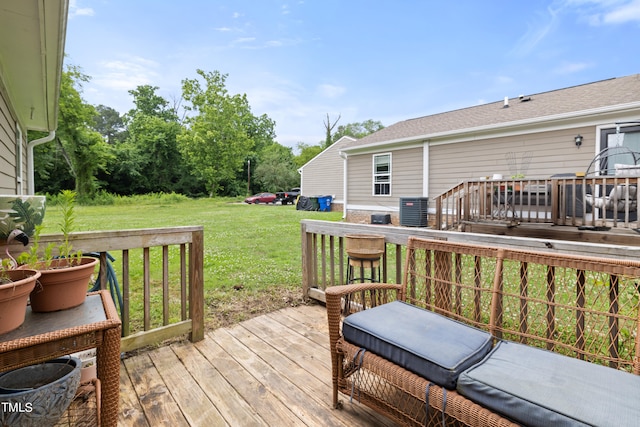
[160,272]
[595,201]
[324,257]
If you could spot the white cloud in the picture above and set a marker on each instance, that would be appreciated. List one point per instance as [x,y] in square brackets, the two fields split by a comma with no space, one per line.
[605,12]
[537,31]
[126,74]
[244,40]
[74,10]
[571,67]
[330,91]
[625,13]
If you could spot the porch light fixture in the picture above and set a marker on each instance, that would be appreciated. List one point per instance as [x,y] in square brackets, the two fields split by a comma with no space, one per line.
[578,140]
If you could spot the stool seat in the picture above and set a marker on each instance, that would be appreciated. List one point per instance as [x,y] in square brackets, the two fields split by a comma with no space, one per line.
[366,262]
[360,264]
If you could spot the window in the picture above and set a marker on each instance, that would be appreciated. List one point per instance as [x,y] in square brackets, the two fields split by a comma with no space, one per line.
[382,174]
[623,147]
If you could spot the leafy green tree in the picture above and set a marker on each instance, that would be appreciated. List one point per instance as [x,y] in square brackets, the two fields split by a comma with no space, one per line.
[160,162]
[148,160]
[276,170]
[357,130]
[148,103]
[220,130]
[109,124]
[307,152]
[79,152]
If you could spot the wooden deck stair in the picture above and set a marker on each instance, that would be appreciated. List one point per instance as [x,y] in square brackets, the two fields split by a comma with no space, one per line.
[272,370]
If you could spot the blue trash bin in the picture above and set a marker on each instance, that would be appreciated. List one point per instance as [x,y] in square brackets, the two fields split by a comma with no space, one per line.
[325,203]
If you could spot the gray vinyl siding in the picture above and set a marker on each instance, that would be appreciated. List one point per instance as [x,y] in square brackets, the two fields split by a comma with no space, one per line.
[406,178]
[552,153]
[324,174]
[7,149]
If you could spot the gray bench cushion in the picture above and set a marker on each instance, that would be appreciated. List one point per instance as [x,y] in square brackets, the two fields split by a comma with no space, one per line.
[536,387]
[423,342]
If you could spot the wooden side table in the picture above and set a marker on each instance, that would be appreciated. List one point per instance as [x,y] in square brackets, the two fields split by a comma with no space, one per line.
[44,336]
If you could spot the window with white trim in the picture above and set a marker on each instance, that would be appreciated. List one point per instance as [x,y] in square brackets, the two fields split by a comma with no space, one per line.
[624,148]
[382,174]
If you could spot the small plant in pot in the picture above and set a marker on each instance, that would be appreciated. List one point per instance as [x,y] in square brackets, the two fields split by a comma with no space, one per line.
[15,286]
[64,280]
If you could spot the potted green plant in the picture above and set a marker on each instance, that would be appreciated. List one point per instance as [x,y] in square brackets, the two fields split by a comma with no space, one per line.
[15,287]
[64,280]
[20,212]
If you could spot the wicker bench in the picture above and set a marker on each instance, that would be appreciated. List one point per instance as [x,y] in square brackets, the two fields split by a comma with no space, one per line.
[491,337]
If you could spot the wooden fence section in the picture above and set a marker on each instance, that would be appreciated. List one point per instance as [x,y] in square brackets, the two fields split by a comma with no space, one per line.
[592,202]
[161,274]
[324,257]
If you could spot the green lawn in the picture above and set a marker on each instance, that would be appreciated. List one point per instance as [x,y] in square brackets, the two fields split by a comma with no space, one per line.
[252,255]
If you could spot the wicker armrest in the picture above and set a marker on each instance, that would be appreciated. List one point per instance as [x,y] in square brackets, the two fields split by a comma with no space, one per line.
[334,300]
[343,290]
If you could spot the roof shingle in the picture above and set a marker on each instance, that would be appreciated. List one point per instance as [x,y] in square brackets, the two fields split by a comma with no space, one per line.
[600,94]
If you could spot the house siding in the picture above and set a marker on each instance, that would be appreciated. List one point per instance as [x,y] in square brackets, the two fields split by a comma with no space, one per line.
[8,170]
[406,179]
[324,174]
[552,152]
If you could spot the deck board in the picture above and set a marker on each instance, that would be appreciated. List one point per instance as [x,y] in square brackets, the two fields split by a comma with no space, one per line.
[272,370]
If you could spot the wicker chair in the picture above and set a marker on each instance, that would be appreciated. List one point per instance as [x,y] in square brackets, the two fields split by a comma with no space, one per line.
[581,307]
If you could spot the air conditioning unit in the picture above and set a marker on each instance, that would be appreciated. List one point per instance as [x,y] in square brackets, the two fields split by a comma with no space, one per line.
[413,211]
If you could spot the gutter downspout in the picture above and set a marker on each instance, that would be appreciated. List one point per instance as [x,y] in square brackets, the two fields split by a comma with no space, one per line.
[19,157]
[30,145]
[344,183]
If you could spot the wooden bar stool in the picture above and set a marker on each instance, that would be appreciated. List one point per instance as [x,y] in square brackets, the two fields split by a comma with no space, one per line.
[359,265]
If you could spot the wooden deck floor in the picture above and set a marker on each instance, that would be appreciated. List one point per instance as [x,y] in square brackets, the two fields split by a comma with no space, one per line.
[271,370]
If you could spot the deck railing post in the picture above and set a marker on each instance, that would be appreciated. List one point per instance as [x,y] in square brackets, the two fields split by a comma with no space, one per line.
[196,285]
[307,262]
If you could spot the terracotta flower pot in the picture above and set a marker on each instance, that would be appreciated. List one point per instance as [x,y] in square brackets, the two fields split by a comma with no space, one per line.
[13,298]
[62,286]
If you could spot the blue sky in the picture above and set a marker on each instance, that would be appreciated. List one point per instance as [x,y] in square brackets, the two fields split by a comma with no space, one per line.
[385,60]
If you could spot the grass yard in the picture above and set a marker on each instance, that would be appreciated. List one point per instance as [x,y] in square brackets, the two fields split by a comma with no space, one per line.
[252,255]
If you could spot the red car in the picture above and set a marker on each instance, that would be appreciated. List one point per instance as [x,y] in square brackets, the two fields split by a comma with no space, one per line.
[261,198]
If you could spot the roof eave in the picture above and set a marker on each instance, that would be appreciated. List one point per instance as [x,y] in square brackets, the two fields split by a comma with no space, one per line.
[32,60]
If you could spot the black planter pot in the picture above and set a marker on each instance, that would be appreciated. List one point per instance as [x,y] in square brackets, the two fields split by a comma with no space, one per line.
[38,395]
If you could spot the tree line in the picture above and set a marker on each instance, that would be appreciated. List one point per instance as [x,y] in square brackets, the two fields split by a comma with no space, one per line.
[199,145]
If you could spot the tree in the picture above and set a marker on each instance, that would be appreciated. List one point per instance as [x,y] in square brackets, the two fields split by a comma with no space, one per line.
[328,127]
[109,124]
[78,145]
[357,130]
[220,130]
[276,170]
[149,103]
[153,161]
[307,152]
